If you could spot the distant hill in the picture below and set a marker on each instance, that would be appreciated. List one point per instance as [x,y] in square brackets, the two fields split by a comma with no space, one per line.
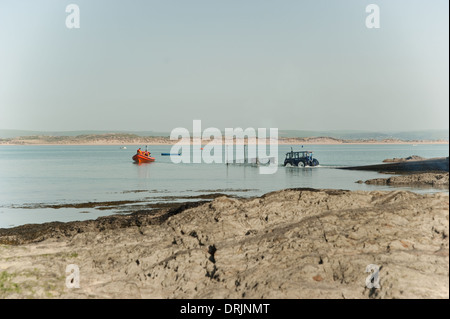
[428,135]
[17,133]
[432,135]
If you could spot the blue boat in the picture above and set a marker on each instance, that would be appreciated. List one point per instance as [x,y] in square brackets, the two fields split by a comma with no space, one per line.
[170,154]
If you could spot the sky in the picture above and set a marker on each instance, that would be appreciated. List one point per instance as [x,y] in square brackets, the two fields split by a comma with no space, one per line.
[287,64]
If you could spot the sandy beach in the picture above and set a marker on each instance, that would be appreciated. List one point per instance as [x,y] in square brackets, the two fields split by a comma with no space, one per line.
[130,139]
[293,243]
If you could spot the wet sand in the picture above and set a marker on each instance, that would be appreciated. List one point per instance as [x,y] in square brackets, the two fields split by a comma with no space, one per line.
[294,243]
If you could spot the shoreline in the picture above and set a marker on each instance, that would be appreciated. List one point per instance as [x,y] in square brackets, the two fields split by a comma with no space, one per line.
[436,181]
[130,139]
[36,232]
[320,240]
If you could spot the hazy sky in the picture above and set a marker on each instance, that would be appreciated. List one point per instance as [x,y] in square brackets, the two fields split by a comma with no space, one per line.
[157,65]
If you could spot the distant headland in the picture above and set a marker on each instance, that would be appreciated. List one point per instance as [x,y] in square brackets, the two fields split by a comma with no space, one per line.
[15,137]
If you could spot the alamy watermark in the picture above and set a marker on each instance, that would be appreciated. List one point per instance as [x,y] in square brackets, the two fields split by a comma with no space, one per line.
[249,145]
[73,19]
[72,276]
[373,280]
[373,19]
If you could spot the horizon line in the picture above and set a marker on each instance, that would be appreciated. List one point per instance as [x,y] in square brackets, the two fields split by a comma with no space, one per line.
[283,129]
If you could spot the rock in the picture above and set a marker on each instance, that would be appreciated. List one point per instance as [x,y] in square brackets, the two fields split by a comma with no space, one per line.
[421,179]
[377,181]
[409,158]
[303,243]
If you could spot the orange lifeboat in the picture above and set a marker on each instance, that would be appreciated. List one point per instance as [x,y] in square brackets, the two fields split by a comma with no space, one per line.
[141,158]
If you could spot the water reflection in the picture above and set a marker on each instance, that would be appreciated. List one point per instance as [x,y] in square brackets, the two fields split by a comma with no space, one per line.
[143,170]
[299,171]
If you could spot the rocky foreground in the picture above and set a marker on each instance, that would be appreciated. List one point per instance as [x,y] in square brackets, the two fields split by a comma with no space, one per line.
[295,243]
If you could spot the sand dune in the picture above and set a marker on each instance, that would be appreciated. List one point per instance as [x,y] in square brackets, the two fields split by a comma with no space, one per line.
[132,139]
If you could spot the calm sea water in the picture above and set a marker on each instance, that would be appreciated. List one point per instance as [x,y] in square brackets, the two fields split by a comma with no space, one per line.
[32,176]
